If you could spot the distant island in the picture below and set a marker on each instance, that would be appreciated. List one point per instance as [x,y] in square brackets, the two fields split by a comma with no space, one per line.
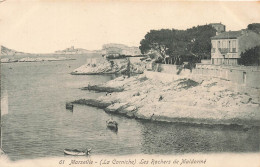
[111,48]
[73,50]
[13,56]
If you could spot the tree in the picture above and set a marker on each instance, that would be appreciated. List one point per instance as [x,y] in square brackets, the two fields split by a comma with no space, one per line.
[254,27]
[199,36]
[157,40]
[179,43]
[250,57]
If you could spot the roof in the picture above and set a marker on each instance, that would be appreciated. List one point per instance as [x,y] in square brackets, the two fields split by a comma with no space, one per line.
[228,35]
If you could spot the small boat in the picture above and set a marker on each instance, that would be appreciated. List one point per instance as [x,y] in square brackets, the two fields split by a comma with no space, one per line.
[76,152]
[69,106]
[112,125]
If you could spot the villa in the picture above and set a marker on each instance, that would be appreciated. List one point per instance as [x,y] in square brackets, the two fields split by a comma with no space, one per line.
[228,46]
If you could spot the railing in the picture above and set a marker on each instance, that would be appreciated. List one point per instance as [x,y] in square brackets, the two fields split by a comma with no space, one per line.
[224,50]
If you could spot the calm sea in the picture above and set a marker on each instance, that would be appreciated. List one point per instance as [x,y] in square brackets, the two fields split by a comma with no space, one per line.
[38,125]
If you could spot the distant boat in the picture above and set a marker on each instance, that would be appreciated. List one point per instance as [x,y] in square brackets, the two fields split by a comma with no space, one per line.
[113,125]
[69,106]
[76,152]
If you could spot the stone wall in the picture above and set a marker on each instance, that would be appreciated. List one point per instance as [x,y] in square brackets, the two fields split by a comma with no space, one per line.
[242,75]
[248,76]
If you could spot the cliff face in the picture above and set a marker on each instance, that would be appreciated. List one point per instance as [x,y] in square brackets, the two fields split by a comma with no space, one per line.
[11,52]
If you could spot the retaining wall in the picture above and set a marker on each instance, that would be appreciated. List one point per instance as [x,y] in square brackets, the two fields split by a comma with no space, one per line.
[242,75]
[248,76]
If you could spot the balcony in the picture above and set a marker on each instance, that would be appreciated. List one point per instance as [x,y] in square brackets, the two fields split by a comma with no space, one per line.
[225,50]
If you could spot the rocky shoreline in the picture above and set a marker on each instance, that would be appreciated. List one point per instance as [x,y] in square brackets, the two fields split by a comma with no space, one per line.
[211,101]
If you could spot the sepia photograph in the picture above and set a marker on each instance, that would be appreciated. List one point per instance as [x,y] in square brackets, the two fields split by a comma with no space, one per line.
[129,83]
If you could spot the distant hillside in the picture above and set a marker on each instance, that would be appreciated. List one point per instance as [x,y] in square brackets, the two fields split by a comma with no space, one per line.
[10,52]
[73,50]
[106,49]
[113,48]
[110,48]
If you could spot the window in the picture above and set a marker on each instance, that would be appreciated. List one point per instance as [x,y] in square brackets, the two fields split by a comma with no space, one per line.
[224,44]
[229,46]
[234,44]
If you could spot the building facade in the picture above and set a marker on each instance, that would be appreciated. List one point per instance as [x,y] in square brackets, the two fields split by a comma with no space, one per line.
[228,46]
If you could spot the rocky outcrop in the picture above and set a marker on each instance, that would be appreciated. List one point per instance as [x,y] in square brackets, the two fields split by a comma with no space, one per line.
[212,101]
[92,102]
[101,88]
[104,66]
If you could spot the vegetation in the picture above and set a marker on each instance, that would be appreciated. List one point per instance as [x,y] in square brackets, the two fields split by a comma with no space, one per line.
[179,45]
[250,57]
[254,27]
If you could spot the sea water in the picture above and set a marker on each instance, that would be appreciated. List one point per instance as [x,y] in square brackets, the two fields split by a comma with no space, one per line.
[37,123]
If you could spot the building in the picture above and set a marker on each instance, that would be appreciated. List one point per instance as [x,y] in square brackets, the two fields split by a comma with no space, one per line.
[219,27]
[228,46]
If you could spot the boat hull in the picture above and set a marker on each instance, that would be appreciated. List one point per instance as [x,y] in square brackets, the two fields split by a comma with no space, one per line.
[74,152]
[112,125]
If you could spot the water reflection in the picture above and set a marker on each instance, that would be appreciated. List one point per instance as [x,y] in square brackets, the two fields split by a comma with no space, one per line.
[166,138]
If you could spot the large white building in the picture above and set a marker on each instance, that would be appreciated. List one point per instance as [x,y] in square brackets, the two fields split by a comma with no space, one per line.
[228,46]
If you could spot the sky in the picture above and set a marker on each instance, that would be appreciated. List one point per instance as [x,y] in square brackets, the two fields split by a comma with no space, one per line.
[38,26]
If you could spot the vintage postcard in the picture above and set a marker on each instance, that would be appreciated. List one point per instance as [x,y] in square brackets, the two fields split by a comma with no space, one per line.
[130,83]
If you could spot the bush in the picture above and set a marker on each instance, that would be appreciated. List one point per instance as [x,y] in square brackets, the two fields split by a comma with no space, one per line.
[250,57]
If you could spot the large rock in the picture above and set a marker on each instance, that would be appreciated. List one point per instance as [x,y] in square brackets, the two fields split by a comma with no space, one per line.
[93,102]
[100,88]
[116,107]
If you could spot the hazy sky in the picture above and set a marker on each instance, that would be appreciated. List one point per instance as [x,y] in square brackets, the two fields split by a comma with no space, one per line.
[46,26]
